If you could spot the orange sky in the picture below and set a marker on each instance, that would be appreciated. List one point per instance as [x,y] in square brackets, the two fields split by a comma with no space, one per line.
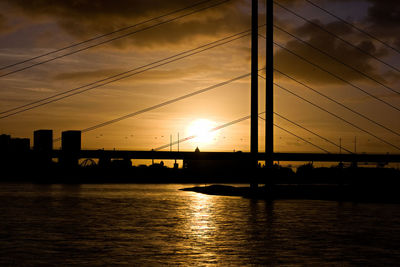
[30,28]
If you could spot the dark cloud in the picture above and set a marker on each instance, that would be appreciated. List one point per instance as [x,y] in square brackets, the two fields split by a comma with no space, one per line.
[154,75]
[3,23]
[86,75]
[385,13]
[291,2]
[384,20]
[85,18]
[331,45]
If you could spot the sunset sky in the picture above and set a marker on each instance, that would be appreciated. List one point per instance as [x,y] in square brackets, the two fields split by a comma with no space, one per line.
[35,27]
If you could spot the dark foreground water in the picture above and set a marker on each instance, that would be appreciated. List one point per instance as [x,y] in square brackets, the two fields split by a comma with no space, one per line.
[151,225]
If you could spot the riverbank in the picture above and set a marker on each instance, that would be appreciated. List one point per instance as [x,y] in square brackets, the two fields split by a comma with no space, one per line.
[355,177]
[377,194]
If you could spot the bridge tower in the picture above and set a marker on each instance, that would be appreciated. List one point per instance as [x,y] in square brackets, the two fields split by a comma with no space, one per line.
[269,84]
[254,89]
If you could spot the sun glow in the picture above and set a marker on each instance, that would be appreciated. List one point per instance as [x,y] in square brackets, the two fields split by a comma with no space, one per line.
[202,129]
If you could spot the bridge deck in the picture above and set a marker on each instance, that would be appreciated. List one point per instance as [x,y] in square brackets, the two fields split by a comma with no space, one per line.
[317,157]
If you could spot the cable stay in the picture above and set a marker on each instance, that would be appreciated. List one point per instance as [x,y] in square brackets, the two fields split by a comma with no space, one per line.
[305,140]
[211,130]
[124,75]
[110,40]
[334,75]
[338,37]
[161,104]
[200,49]
[104,35]
[339,103]
[337,60]
[165,103]
[354,26]
[214,129]
[338,117]
[338,77]
[232,123]
[314,133]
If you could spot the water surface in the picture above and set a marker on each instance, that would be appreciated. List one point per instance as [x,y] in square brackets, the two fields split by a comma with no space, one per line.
[147,225]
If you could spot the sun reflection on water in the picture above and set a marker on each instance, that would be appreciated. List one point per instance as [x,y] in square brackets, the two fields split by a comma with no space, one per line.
[201,218]
[202,226]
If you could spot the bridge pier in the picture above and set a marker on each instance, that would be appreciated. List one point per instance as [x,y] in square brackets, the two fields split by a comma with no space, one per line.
[269,85]
[254,93]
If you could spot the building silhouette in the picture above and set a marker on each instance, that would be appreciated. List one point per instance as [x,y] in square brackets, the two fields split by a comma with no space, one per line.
[70,146]
[43,140]
[43,147]
[4,143]
[20,145]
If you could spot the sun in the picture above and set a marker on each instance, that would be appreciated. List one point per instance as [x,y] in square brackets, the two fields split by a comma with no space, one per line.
[202,130]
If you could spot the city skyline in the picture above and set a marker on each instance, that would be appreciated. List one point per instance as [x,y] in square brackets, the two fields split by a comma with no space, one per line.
[36,27]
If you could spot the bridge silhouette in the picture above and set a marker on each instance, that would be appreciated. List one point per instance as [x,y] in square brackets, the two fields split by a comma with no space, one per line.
[269,156]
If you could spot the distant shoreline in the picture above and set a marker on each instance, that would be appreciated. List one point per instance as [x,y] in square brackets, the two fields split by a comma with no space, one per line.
[306,192]
[334,183]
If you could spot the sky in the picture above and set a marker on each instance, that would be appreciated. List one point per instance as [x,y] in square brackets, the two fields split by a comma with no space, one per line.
[367,82]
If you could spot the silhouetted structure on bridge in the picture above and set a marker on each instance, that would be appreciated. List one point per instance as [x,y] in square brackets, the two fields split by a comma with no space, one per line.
[14,152]
[70,147]
[43,147]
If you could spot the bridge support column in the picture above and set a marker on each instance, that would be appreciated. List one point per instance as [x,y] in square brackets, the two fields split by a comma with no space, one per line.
[254,93]
[269,85]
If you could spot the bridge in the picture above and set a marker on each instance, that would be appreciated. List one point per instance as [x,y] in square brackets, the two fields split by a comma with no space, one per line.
[269,156]
[184,155]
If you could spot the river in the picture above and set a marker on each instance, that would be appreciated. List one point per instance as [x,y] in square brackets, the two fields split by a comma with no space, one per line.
[153,225]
